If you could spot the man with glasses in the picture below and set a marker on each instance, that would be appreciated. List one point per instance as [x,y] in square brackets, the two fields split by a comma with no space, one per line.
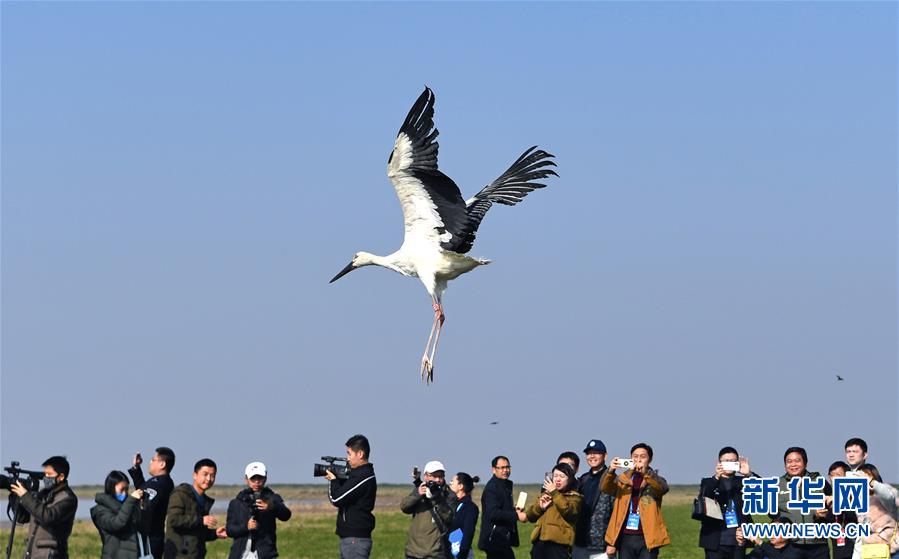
[156,491]
[499,524]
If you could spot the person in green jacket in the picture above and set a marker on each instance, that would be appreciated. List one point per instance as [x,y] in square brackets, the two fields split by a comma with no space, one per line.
[117,517]
[431,514]
[188,523]
[556,513]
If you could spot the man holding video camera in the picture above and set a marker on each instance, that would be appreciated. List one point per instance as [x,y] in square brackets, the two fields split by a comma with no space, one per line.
[431,514]
[252,515]
[354,496]
[52,511]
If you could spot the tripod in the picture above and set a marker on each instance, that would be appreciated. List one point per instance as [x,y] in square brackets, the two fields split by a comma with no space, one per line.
[15,520]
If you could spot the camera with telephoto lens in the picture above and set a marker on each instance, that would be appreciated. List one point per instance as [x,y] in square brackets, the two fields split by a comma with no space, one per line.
[341,471]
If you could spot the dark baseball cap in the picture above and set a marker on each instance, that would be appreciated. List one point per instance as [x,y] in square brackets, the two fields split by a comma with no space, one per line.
[595,445]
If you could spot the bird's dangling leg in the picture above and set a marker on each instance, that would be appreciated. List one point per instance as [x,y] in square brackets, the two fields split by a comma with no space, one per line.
[427,360]
[439,318]
[427,370]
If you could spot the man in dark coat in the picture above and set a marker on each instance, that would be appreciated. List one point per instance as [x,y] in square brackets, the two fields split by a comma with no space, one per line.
[499,527]
[590,533]
[188,524]
[156,495]
[354,498]
[52,511]
[252,515]
[718,536]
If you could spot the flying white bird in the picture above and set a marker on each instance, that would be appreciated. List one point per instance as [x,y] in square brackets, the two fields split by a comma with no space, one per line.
[440,226]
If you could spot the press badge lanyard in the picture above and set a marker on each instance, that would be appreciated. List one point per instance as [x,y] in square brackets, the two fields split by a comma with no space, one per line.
[730,515]
[841,541]
[633,517]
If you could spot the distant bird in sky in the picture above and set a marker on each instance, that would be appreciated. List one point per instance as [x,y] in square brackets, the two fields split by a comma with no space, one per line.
[494,423]
[839,378]
[440,225]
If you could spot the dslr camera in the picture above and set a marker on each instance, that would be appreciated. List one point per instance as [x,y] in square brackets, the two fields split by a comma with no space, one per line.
[341,471]
[436,490]
[250,499]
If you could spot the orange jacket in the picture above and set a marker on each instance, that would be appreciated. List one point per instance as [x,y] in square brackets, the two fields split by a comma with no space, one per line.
[654,486]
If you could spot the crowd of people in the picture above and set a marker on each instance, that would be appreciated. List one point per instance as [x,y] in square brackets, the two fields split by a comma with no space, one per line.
[609,510]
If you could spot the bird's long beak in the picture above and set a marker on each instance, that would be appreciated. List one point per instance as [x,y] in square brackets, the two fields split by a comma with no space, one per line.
[349,268]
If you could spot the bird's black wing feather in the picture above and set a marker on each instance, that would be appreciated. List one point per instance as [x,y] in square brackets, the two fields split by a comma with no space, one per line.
[509,188]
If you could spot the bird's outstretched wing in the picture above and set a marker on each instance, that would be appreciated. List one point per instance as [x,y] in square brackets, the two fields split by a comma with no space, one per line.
[433,208]
[509,188]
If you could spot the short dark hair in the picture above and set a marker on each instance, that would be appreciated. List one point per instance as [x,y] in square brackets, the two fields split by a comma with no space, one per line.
[838,464]
[167,455]
[799,450]
[644,446]
[58,463]
[571,456]
[871,469]
[496,460]
[782,520]
[357,443]
[114,478]
[467,482]
[205,463]
[856,441]
[726,450]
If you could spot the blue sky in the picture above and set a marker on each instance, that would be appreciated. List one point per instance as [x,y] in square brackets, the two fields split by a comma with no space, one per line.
[180,181]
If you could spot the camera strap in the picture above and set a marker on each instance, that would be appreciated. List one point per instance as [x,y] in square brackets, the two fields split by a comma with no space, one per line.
[437,520]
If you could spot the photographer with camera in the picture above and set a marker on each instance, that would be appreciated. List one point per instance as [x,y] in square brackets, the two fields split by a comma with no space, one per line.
[52,511]
[353,493]
[156,490]
[117,517]
[431,514]
[252,515]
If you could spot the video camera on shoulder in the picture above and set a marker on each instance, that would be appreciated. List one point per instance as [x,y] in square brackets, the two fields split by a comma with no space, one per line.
[341,471]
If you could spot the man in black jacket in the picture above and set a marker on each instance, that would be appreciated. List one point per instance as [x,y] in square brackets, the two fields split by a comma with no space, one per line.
[718,537]
[252,515]
[156,495]
[590,534]
[499,527]
[354,498]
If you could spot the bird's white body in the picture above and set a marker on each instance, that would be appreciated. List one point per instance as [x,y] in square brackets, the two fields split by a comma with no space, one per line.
[439,225]
[433,267]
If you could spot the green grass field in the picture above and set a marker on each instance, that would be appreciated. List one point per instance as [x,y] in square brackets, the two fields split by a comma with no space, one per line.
[310,533]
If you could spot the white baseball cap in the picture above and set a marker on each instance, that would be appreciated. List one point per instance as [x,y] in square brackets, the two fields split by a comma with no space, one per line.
[255,469]
[434,466]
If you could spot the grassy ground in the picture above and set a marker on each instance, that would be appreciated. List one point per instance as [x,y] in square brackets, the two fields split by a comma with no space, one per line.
[310,533]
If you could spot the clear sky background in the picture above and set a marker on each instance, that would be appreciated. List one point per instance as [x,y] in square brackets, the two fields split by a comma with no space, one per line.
[181,180]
